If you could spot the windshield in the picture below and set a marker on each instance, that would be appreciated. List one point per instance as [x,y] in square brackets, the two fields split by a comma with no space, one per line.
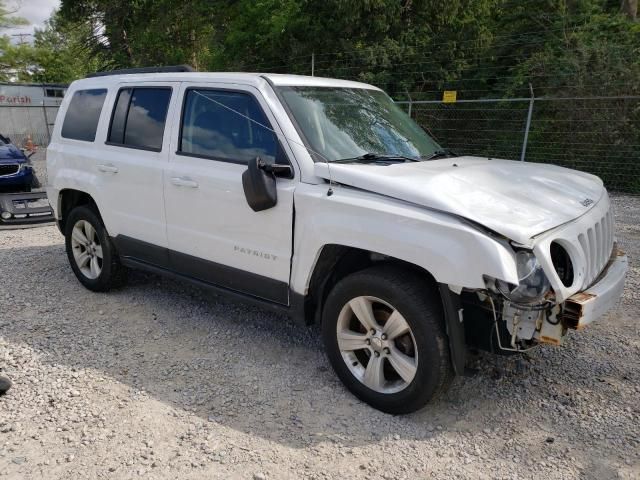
[343,123]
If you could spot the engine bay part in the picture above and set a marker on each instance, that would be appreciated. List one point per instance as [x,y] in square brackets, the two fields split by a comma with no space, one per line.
[509,327]
[533,326]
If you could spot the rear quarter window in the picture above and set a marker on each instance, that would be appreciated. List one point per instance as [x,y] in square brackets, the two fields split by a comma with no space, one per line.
[83,114]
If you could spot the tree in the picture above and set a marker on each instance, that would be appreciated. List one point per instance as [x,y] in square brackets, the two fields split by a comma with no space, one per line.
[13,64]
[60,54]
[629,8]
[414,45]
[7,17]
[146,32]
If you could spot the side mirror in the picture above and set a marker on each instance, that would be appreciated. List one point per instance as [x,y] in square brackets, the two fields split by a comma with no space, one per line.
[259,184]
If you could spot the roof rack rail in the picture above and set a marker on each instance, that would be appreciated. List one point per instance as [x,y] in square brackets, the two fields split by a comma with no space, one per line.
[128,71]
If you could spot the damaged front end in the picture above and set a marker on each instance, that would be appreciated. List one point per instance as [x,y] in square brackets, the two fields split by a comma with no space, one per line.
[507,318]
[528,310]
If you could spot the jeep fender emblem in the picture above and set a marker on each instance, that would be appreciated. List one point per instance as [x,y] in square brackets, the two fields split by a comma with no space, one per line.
[255,253]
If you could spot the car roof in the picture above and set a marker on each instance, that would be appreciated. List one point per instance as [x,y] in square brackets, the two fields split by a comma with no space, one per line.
[255,79]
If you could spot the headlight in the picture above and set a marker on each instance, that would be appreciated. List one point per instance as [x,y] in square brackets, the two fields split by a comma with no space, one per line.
[533,283]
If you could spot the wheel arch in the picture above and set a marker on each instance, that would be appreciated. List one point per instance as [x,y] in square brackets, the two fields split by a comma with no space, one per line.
[335,262]
[70,198]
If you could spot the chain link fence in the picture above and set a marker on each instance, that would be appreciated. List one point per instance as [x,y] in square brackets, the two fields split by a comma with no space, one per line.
[599,135]
[27,123]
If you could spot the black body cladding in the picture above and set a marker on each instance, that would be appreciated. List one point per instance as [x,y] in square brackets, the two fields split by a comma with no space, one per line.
[163,260]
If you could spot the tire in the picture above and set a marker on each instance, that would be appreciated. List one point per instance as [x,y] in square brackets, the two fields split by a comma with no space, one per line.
[423,350]
[109,273]
[5,385]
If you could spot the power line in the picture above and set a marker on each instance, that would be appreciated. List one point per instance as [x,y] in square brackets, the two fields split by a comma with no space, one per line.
[454,65]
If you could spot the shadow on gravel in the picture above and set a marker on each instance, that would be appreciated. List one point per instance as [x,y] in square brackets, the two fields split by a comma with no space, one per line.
[257,372]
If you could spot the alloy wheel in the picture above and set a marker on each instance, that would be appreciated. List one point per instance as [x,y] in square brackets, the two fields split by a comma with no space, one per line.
[377,344]
[87,251]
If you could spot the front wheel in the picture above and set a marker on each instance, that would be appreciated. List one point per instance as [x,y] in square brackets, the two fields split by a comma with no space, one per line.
[384,336]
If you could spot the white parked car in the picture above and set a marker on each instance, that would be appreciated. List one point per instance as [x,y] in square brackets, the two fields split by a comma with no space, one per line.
[323,199]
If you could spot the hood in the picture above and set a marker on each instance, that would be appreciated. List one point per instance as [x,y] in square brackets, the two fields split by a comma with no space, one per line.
[11,153]
[516,199]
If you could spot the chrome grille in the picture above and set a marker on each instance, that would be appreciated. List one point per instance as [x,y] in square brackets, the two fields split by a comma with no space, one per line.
[9,169]
[596,244]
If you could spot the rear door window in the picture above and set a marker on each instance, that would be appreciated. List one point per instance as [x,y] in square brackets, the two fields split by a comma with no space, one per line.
[139,117]
[83,114]
[225,125]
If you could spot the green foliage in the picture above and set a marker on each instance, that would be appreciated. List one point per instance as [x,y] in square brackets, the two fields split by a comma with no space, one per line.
[386,42]
[60,54]
[13,59]
[129,33]
[8,19]
[478,47]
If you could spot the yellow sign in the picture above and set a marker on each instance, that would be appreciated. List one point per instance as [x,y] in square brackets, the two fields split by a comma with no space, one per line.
[449,96]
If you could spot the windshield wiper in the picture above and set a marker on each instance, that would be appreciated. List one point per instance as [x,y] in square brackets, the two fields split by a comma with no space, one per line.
[440,154]
[375,157]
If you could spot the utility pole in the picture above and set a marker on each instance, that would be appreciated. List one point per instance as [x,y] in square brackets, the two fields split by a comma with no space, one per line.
[21,36]
[313,64]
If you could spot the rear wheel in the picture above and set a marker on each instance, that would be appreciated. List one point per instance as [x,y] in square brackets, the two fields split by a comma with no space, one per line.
[90,251]
[384,335]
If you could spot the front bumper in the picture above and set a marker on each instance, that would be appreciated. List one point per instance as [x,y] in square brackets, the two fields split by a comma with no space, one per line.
[582,308]
[24,208]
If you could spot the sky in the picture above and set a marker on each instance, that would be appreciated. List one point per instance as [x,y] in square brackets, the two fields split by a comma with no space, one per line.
[35,11]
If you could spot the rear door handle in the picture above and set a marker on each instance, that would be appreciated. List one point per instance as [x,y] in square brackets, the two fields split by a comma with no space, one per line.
[184,182]
[108,168]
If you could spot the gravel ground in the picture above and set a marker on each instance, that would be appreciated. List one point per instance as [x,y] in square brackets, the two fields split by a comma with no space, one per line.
[159,380]
[38,159]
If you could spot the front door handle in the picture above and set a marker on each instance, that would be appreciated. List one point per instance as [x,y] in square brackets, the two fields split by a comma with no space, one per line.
[107,168]
[184,182]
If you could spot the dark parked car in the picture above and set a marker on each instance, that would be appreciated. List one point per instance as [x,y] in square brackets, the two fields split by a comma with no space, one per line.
[16,171]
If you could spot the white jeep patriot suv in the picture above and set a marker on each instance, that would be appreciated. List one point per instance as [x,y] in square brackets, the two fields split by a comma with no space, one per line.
[323,199]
